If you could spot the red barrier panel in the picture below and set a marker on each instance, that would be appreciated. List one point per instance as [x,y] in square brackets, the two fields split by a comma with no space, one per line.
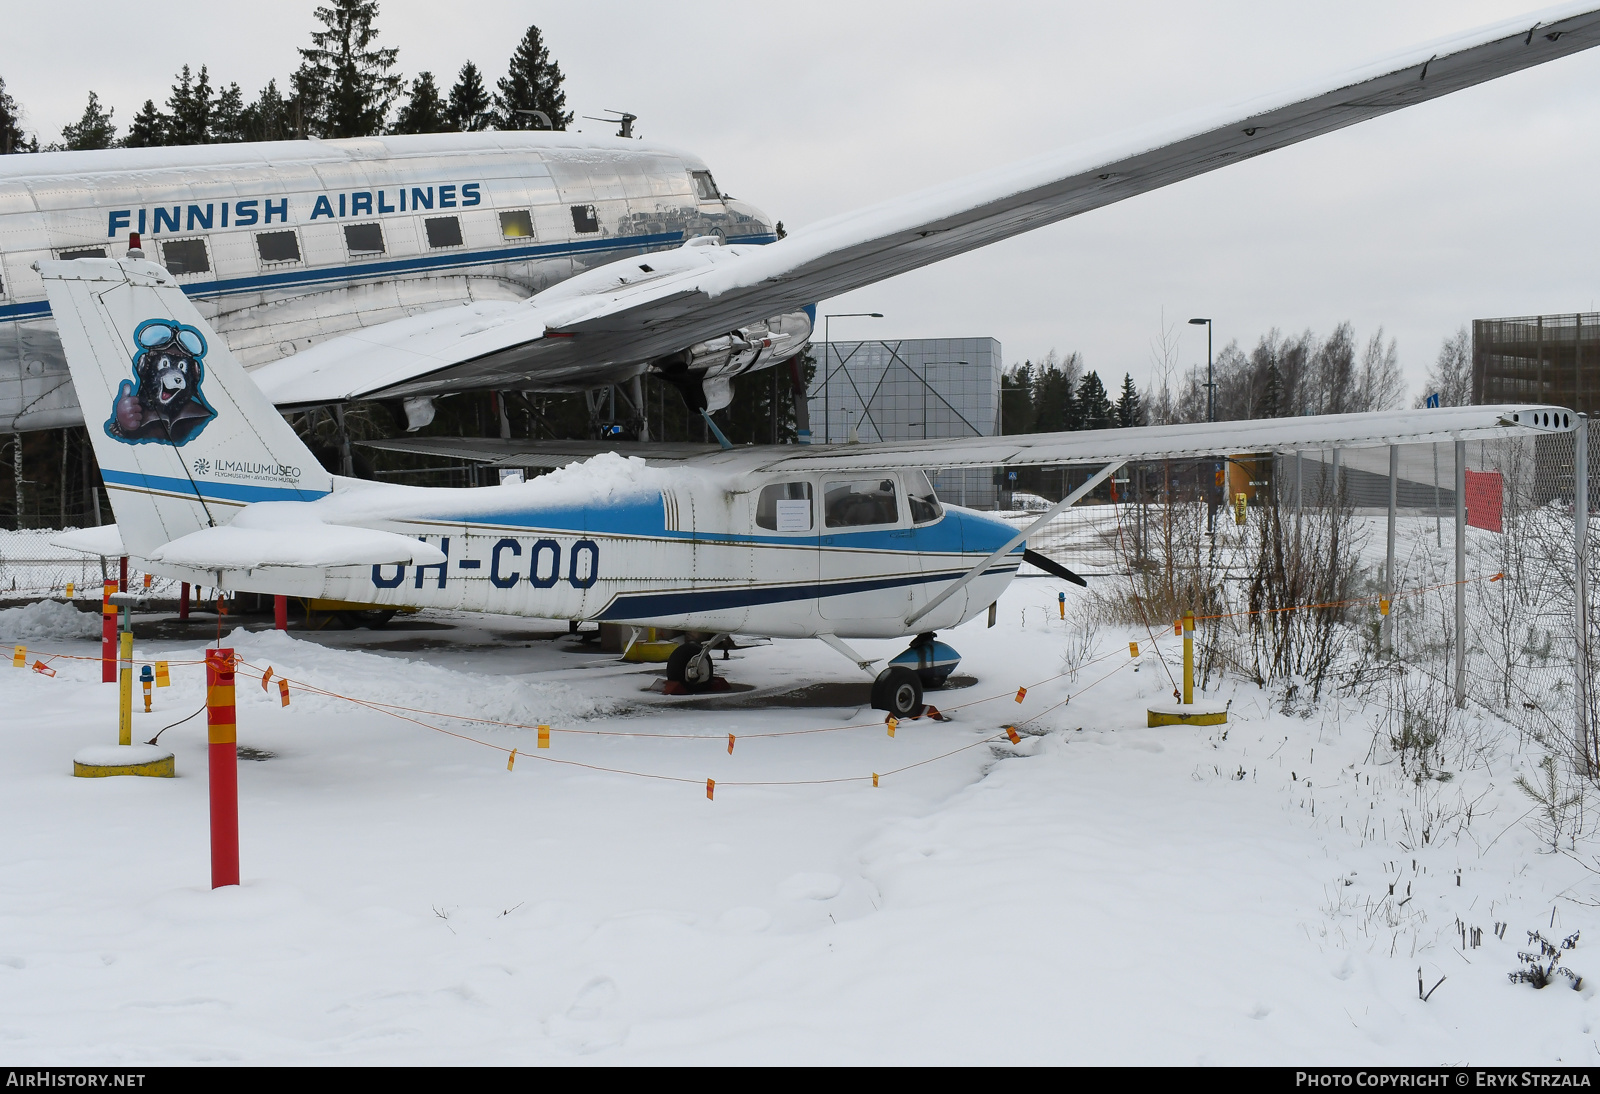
[1485,499]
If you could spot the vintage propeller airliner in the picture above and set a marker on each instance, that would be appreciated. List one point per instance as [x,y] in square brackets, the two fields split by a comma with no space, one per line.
[211,485]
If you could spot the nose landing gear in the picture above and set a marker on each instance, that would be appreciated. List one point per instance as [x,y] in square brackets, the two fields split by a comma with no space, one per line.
[926,665]
[689,669]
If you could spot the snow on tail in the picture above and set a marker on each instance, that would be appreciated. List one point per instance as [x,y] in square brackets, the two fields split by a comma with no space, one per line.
[184,437]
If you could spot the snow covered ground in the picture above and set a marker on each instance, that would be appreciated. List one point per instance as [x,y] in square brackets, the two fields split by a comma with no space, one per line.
[1100,893]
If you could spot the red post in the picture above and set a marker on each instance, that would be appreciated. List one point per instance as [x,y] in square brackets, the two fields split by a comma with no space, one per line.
[108,634]
[122,580]
[222,732]
[183,602]
[280,612]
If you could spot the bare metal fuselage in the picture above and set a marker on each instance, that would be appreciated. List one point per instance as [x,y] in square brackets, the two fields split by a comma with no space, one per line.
[362,232]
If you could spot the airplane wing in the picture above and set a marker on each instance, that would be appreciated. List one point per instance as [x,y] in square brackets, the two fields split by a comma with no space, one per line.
[1168,442]
[497,452]
[605,322]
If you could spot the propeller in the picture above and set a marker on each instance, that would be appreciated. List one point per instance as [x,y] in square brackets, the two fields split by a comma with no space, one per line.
[1051,566]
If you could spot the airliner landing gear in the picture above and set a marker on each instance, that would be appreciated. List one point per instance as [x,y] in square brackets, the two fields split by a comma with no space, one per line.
[689,669]
[931,660]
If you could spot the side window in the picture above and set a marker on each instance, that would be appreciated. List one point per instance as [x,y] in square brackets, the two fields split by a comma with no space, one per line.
[82,252]
[921,499]
[364,240]
[860,502]
[278,246]
[584,219]
[518,224]
[705,188]
[185,256]
[784,507]
[443,231]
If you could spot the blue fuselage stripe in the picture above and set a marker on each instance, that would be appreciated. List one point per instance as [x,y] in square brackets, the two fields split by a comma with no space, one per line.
[694,602]
[377,271]
[210,491]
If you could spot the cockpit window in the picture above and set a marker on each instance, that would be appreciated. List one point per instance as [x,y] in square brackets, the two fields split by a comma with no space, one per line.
[860,502]
[921,498]
[784,507]
[705,189]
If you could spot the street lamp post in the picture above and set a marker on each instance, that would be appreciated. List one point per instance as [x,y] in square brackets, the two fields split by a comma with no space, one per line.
[1211,416]
[827,350]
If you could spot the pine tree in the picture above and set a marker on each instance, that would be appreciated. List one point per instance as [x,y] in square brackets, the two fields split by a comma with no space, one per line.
[94,130]
[1054,403]
[1093,403]
[1451,374]
[468,109]
[533,83]
[268,118]
[344,84]
[424,111]
[1016,399]
[11,138]
[148,129]
[193,105]
[1130,410]
[227,121]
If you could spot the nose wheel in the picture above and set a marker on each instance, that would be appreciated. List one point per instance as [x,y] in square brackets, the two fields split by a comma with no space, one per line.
[898,691]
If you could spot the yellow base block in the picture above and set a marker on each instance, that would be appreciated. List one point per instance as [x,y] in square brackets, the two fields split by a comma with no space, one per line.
[102,762]
[1196,714]
[650,651]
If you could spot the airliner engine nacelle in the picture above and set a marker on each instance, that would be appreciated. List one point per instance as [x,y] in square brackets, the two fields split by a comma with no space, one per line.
[704,372]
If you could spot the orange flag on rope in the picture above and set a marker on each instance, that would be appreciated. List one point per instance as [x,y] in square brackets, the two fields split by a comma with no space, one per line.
[283,691]
[730,744]
[265,676]
[1022,693]
[511,759]
[711,786]
[43,669]
[1011,731]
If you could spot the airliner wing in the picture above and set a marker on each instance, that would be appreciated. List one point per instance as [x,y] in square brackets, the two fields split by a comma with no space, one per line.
[1098,447]
[638,310]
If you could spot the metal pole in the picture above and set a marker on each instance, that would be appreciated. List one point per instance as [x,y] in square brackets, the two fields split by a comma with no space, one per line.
[1188,658]
[1336,482]
[223,754]
[1461,573]
[827,380]
[1439,509]
[1299,489]
[1580,586]
[1388,566]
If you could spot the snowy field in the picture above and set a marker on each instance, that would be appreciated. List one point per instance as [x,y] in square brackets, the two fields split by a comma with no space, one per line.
[1099,893]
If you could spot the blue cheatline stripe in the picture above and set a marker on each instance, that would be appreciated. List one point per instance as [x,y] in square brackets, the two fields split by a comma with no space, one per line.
[218,491]
[656,605]
[370,271]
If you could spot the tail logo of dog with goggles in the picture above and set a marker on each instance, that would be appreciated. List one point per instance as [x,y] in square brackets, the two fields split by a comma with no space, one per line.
[162,404]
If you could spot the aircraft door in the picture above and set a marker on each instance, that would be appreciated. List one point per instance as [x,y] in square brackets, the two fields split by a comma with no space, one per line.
[935,540]
[867,565]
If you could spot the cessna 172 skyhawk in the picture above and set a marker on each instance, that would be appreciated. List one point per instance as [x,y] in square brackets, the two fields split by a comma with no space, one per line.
[211,485]
[329,263]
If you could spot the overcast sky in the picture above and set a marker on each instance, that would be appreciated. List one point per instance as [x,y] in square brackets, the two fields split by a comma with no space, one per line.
[1480,204]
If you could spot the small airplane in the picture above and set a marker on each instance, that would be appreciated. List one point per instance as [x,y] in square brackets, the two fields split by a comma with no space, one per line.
[575,262]
[211,485]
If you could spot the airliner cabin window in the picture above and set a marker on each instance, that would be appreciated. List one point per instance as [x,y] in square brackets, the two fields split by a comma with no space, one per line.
[443,231]
[860,502]
[585,219]
[278,246]
[83,252]
[516,224]
[363,240]
[185,256]
[705,189]
[921,498]
[784,507]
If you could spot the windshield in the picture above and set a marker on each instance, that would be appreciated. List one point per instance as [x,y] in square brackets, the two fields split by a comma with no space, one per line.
[924,501]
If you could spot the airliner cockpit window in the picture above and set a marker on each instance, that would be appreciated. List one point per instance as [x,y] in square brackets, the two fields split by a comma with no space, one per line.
[922,499]
[784,507]
[860,502]
[705,188]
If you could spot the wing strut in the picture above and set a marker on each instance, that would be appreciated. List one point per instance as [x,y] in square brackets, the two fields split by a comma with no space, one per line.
[1048,515]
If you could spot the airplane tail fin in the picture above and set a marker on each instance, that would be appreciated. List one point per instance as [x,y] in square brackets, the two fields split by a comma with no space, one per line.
[184,437]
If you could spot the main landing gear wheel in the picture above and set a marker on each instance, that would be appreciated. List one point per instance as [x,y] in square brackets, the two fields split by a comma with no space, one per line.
[373,618]
[898,691]
[690,667]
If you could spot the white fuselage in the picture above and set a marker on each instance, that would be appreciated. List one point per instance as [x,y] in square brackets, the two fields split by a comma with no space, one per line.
[690,555]
[285,244]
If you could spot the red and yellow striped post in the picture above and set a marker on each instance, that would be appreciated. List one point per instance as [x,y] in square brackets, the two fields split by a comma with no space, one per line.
[222,730]
[108,634]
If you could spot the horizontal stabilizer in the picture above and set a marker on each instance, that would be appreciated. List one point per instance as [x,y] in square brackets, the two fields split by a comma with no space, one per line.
[298,545]
[105,541]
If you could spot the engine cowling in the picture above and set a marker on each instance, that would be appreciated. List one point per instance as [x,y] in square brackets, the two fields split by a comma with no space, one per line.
[708,368]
